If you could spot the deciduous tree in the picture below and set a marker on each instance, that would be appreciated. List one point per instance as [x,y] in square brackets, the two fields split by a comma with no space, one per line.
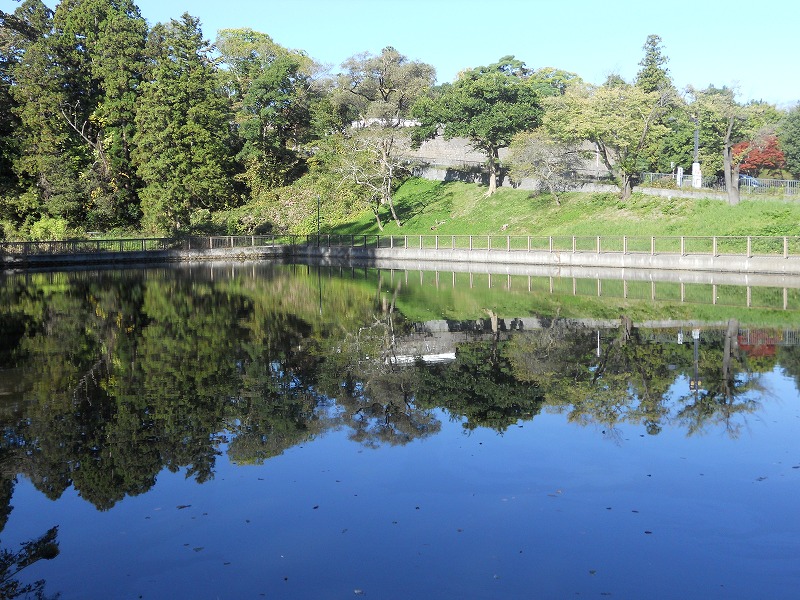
[552,163]
[486,105]
[379,92]
[622,121]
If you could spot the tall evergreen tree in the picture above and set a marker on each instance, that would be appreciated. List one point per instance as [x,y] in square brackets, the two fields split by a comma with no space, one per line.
[183,134]
[653,76]
[18,31]
[273,94]
[76,88]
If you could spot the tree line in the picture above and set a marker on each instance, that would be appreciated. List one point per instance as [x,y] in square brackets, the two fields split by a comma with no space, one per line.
[108,124]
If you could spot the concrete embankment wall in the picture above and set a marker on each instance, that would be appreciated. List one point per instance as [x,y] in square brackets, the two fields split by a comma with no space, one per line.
[496,261]
[21,261]
[603,260]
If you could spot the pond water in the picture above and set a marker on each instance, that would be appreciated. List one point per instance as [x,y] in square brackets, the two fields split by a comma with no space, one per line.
[287,431]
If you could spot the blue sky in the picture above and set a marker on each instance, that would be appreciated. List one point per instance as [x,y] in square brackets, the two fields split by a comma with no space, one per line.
[725,42]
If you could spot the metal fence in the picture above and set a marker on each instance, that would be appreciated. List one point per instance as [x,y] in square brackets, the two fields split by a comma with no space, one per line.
[747,185]
[746,246]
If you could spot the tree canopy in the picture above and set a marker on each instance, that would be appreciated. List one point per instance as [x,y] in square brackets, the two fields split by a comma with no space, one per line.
[486,105]
[108,124]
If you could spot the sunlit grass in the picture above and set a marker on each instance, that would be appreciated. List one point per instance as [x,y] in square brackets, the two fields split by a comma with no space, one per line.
[431,207]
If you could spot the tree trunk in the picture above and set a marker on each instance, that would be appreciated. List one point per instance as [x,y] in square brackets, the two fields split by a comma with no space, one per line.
[626,186]
[731,170]
[378,219]
[494,160]
[388,179]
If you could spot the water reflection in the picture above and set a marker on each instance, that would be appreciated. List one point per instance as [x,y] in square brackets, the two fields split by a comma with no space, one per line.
[109,379]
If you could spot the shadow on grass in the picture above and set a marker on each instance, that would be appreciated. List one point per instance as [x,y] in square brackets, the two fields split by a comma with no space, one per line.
[418,202]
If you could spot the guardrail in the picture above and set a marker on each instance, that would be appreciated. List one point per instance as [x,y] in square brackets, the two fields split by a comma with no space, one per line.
[745,246]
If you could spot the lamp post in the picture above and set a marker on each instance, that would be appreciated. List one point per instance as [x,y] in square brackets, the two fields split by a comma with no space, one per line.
[697,176]
[318,209]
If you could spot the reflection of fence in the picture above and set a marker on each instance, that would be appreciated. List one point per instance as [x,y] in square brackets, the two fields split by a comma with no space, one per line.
[744,296]
[745,246]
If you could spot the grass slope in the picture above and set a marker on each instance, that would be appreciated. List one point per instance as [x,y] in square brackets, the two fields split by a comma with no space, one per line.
[455,208]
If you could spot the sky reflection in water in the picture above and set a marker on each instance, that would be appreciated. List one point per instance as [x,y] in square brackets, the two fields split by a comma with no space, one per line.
[552,506]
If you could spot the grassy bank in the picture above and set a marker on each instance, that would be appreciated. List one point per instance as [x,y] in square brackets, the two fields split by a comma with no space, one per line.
[456,208]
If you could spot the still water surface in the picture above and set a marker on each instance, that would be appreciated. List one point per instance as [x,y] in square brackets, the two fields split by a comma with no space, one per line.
[274,432]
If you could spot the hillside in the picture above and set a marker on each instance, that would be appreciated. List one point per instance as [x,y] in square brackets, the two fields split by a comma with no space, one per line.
[455,208]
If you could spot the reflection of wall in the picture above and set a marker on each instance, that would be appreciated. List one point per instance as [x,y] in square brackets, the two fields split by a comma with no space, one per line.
[435,338]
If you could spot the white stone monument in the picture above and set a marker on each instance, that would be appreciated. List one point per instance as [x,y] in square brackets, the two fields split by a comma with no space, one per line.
[697,176]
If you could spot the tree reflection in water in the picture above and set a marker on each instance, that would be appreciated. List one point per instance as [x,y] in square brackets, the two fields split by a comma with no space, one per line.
[151,371]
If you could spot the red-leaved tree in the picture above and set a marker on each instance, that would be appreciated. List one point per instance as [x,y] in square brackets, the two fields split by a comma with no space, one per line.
[763,153]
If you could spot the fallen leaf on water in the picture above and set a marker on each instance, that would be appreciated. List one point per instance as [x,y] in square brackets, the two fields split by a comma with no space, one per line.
[182,506]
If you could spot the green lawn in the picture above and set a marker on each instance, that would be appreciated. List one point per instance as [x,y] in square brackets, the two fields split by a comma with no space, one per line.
[454,208]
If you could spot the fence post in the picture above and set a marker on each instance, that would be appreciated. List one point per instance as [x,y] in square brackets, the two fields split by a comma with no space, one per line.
[470,243]
[436,239]
[714,246]
[529,243]
[453,242]
[652,245]
[573,244]
[749,247]
[785,247]
[488,243]
[550,244]
[683,246]
[598,244]
[624,244]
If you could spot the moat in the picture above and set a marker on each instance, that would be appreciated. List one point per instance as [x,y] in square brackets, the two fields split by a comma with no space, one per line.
[294,431]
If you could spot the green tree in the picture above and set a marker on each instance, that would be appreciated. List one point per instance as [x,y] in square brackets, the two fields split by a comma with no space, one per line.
[183,138]
[486,105]
[621,120]
[653,76]
[20,29]
[554,82]
[76,88]
[272,92]
[379,91]
[789,136]
[724,123]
